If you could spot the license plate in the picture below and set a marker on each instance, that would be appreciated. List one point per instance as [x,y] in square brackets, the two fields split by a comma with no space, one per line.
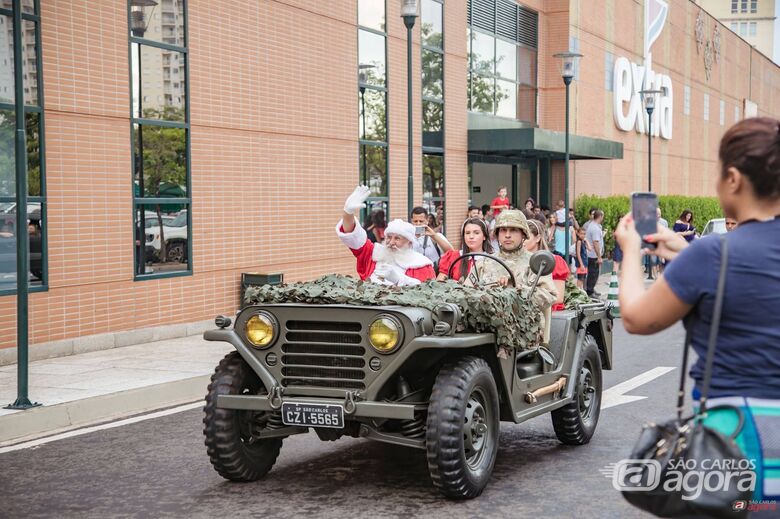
[313,415]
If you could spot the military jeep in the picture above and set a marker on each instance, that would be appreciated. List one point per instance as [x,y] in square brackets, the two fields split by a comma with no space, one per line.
[401,375]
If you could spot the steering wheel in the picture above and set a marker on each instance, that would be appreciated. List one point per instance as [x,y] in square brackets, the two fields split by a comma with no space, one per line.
[476,273]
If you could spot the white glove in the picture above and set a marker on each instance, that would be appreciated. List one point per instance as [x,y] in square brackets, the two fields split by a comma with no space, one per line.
[389,273]
[357,200]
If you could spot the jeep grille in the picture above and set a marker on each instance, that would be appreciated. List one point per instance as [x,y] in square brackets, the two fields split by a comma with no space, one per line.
[323,354]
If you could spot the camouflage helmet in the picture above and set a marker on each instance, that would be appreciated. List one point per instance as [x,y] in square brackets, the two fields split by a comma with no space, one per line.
[512,218]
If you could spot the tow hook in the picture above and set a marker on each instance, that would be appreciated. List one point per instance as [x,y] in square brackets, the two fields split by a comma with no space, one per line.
[349,402]
[276,398]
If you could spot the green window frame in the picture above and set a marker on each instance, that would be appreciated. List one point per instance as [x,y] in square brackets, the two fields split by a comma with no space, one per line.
[33,110]
[501,84]
[373,152]
[160,140]
[432,62]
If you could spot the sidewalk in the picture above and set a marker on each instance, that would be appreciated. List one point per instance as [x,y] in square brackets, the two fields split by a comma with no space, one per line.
[90,388]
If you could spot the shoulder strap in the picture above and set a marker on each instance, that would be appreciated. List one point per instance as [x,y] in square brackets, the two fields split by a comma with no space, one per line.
[716,312]
[715,325]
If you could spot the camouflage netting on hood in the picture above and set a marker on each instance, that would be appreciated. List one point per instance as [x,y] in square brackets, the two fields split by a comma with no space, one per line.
[503,311]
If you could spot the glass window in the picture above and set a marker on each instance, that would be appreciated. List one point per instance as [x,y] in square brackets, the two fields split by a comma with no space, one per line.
[372,52]
[753,6]
[506,99]
[752,31]
[743,29]
[160,161]
[162,23]
[433,176]
[165,237]
[433,124]
[7,156]
[482,53]
[160,149]
[32,122]
[155,94]
[481,94]
[506,60]
[32,112]
[432,74]
[734,26]
[744,6]
[6,60]
[734,6]
[431,28]
[373,169]
[526,104]
[373,121]
[526,66]
[371,14]
[706,107]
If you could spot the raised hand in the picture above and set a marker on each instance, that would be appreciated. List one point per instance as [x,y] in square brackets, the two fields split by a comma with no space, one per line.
[357,200]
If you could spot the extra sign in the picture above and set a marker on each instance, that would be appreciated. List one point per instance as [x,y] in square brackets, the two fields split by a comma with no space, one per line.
[631,78]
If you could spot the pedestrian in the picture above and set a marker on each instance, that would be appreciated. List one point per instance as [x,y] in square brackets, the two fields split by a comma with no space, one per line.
[427,241]
[573,220]
[474,237]
[552,221]
[591,211]
[377,226]
[581,246]
[746,366]
[393,263]
[617,256]
[530,204]
[439,218]
[684,226]
[731,224]
[473,212]
[595,238]
[500,202]
[561,271]
[486,213]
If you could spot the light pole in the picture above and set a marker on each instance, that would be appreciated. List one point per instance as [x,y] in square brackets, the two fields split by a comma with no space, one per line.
[409,14]
[648,96]
[362,80]
[568,62]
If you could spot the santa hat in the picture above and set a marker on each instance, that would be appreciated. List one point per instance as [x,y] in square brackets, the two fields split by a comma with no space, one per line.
[401,228]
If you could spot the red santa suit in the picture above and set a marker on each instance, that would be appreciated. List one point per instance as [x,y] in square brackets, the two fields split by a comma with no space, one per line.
[415,266]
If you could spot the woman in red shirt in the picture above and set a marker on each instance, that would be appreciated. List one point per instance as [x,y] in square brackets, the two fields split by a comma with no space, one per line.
[473,238]
[561,272]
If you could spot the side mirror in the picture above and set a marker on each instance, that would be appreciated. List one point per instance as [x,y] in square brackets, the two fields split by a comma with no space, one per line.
[542,263]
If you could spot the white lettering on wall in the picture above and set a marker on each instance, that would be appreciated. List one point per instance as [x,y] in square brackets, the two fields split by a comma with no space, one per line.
[629,112]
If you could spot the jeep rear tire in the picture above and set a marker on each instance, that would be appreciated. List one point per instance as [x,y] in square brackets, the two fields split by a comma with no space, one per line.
[234,452]
[462,428]
[576,422]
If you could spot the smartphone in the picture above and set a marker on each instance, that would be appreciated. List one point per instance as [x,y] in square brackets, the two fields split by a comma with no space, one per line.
[419,230]
[644,209]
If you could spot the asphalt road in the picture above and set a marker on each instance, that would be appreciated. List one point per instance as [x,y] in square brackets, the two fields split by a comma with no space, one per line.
[159,467]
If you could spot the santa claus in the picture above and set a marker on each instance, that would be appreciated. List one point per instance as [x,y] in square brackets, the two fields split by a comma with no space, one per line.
[394,263]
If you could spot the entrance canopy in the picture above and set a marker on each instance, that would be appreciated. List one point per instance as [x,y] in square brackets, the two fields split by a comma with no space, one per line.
[525,143]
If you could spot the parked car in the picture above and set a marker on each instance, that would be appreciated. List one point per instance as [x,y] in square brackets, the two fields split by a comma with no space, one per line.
[715,226]
[175,234]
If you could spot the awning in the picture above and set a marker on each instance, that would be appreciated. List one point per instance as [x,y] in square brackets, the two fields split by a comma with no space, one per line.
[525,143]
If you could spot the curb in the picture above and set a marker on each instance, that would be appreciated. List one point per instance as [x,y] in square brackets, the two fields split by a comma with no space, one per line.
[45,420]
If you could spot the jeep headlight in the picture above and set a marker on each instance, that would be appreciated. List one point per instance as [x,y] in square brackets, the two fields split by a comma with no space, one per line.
[261,330]
[384,334]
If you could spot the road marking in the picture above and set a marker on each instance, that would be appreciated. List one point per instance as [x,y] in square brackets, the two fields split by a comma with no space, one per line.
[110,425]
[616,394]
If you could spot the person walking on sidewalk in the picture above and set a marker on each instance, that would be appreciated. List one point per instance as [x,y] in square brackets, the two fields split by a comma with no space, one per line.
[595,238]
[746,367]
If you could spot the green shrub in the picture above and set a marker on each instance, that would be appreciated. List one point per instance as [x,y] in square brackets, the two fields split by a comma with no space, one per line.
[704,208]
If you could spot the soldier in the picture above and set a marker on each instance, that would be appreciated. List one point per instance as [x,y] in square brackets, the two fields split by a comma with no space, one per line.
[512,230]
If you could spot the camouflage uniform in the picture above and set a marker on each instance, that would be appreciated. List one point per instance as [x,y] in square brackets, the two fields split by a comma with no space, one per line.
[518,260]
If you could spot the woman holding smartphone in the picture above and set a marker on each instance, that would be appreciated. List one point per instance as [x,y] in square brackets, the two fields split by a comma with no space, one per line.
[746,368]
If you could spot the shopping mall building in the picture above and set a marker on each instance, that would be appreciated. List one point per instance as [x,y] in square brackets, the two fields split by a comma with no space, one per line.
[173,145]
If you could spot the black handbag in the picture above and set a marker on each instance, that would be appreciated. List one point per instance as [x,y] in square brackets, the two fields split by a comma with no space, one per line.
[667,453]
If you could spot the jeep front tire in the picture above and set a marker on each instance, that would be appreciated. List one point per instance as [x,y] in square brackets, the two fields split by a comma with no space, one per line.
[232,448]
[462,428]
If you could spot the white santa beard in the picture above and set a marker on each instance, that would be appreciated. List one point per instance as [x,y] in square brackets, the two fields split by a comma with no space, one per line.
[397,257]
